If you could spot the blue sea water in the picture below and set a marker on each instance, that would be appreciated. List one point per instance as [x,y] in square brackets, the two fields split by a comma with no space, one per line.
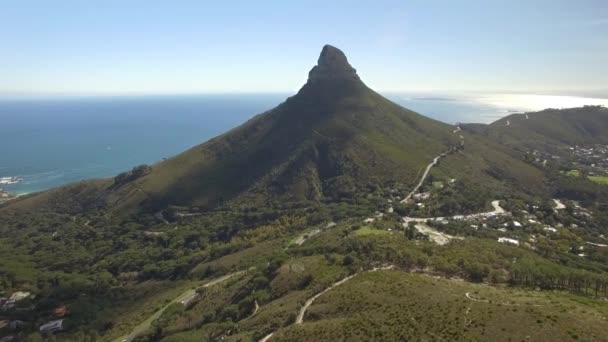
[51,142]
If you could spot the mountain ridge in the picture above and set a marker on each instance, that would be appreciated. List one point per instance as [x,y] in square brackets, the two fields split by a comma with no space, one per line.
[335,136]
[334,130]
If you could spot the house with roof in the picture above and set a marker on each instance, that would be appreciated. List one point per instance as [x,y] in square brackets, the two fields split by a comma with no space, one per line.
[509,241]
[61,311]
[19,295]
[52,326]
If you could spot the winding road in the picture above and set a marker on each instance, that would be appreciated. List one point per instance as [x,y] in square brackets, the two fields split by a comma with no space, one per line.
[498,210]
[424,175]
[308,303]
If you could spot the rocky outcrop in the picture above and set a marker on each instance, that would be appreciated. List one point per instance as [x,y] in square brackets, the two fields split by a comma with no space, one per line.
[332,64]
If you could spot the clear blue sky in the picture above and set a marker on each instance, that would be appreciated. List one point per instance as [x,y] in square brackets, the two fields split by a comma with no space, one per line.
[122,47]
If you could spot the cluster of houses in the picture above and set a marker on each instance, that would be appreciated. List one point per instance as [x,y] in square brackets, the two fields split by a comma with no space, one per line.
[15,303]
[541,158]
[593,160]
[420,197]
[509,223]
[589,160]
[9,303]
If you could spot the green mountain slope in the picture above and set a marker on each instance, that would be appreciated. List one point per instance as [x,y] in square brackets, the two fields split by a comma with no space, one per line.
[550,127]
[335,135]
[335,129]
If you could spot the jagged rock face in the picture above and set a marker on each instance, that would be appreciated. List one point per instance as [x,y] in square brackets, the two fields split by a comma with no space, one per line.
[332,65]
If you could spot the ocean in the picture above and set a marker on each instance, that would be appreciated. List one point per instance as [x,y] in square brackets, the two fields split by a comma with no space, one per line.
[54,141]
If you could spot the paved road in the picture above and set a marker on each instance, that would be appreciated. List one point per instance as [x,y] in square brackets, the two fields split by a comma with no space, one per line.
[426,173]
[498,210]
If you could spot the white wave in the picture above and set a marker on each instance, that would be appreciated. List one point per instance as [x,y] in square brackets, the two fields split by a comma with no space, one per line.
[10,180]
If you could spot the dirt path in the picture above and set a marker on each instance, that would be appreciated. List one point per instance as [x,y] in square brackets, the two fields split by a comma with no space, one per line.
[182,215]
[596,244]
[302,238]
[184,298]
[307,235]
[256,308]
[309,302]
[468,295]
[267,337]
[435,235]
[302,312]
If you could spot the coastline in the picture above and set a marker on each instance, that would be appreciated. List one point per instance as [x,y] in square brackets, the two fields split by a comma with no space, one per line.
[6,195]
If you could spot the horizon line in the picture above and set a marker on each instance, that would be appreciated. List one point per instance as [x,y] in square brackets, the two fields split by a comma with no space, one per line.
[591,93]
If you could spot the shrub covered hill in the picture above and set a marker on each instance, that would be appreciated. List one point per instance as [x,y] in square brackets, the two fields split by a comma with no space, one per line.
[293,227]
[549,128]
[333,136]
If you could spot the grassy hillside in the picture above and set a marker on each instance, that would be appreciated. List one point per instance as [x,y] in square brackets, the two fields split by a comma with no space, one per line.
[492,168]
[397,306]
[550,127]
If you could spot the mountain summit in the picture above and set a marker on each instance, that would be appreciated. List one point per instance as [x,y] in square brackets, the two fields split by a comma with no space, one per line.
[332,65]
[332,139]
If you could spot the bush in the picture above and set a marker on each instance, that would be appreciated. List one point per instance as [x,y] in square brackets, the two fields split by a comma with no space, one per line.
[129,176]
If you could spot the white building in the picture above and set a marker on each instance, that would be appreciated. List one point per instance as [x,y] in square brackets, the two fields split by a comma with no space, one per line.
[52,326]
[422,196]
[19,295]
[507,240]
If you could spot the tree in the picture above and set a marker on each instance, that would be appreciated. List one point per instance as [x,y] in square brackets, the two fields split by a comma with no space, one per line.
[348,260]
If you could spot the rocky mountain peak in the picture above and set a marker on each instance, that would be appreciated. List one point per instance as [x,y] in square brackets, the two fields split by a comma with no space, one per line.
[332,64]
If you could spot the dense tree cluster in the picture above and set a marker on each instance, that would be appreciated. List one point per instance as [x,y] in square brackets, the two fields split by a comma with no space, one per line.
[133,174]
